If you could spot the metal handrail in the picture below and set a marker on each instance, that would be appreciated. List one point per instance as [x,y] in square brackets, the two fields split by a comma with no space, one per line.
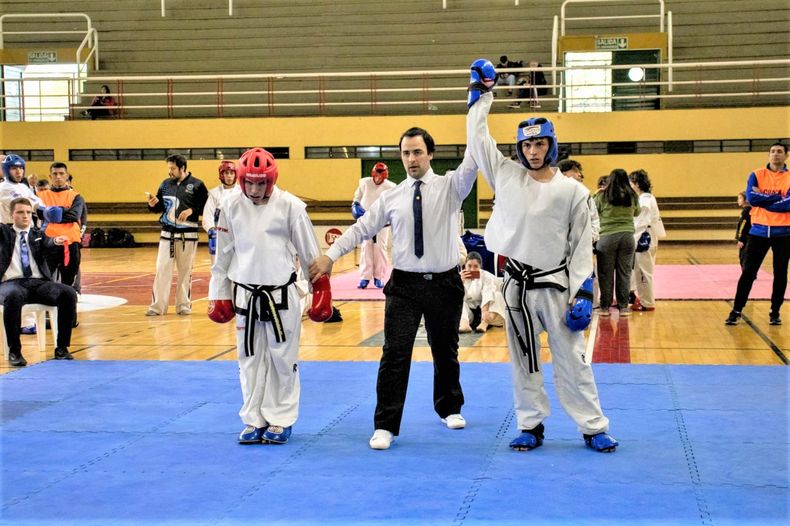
[91,38]
[563,18]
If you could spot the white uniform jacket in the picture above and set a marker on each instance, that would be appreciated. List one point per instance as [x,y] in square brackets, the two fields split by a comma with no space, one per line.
[540,224]
[256,244]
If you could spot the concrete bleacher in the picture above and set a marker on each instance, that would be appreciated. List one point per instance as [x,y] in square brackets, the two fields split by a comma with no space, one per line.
[686,219]
[144,225]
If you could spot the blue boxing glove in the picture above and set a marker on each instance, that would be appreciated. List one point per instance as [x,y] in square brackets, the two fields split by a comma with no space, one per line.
[356,210]
[579,313]
[212,241]
[481,80]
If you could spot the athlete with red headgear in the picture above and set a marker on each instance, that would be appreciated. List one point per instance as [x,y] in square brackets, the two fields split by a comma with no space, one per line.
[541,224]
[259,231]
[373,252]
[227,179]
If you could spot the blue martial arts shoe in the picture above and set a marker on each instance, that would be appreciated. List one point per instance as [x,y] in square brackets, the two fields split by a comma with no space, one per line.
[28,330]
[528,439]
[377,282]
[363,284]
[602,442]
[277,435]
[251,435]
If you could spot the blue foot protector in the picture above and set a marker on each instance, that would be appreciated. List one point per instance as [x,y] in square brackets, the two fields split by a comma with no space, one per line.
[363,284]
[528,439]
[602,442]
[251,435]
[277,435]
[377,282]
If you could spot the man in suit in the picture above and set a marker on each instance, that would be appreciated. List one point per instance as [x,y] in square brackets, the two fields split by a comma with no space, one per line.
[25,278]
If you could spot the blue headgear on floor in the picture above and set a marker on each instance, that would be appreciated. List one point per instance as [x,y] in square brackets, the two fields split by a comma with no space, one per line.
[12,160]
[532,129]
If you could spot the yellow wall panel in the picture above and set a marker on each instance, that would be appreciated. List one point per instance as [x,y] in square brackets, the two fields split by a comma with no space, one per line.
[335,179]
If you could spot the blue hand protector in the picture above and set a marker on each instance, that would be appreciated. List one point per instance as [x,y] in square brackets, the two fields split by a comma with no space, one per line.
[356,210]
[53,214]
[481,80]
[212,241]
[579,313]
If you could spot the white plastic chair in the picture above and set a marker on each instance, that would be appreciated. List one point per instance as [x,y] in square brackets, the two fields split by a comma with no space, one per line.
[41,325]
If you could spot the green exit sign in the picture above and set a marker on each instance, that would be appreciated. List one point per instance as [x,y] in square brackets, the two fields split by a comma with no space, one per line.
[611,42]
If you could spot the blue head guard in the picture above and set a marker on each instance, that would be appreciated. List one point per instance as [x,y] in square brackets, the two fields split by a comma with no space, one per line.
[532,129]
[12,160]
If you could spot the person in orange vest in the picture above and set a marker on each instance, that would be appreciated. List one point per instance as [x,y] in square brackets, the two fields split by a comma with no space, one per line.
[65,263]
[768,191]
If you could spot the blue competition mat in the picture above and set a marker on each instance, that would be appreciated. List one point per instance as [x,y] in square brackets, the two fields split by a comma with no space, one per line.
[119,442]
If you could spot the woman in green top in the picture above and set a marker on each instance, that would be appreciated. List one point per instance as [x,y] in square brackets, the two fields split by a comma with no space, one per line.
[617,206]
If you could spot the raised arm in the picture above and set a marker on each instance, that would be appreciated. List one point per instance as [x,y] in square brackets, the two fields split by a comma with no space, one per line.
[479,142]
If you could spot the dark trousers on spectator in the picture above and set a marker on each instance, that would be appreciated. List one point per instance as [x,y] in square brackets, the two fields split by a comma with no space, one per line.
[16,293]
[756,250]
[66,274]
[410,296]
[615,263]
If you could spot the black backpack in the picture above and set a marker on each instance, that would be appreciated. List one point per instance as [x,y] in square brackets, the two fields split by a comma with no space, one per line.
[119,238]
[98,238]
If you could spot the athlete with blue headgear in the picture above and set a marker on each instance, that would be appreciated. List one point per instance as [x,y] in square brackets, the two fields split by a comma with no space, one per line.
[541,224]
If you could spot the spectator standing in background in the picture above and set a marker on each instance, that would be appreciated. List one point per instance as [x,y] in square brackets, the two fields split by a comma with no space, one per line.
[744,225]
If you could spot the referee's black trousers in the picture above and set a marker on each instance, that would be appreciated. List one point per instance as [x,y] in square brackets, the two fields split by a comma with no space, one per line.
[410,296]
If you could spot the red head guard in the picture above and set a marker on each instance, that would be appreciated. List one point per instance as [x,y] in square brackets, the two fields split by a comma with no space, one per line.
[224,166]
[257,165]
[380,173]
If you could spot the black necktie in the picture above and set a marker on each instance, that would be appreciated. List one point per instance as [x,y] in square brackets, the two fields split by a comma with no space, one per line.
[417,206]
[24,253]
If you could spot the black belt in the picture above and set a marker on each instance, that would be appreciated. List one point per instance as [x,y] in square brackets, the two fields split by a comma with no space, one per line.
[427,276]
[172,240]
[262,307]
[523,277]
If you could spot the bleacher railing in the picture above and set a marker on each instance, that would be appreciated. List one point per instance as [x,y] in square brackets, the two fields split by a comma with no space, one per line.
[89,43]
[696,85]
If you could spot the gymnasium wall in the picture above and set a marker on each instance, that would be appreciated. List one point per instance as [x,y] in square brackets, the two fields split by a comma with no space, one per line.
[684,175]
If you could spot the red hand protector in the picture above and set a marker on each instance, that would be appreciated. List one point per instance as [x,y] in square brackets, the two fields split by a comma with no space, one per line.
[220,311]
[321,309]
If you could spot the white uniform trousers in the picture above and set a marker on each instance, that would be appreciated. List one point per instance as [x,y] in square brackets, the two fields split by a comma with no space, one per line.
[270,378]
[373,260]
[573,376]
[642,276]
[183,260]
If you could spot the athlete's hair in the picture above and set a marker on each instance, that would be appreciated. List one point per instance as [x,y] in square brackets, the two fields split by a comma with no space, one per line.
[476,256]
[569,164]
[419,132]
[618,190]
[179,160]
[641,180]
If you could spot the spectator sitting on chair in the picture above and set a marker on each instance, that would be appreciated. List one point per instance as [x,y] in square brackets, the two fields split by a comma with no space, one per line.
[532,82]
[102,105]
[507,78]
[26,279]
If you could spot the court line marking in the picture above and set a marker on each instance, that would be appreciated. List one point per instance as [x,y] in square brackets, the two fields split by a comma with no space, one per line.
[775,348]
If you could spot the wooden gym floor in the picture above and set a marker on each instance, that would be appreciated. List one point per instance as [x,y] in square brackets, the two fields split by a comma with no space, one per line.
[678,332]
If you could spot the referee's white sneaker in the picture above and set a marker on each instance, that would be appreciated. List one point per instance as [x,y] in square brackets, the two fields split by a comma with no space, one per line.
[381,439]
[454,421]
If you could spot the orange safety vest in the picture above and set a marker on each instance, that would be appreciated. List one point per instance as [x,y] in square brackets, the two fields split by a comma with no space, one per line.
[65,199]
[771,182]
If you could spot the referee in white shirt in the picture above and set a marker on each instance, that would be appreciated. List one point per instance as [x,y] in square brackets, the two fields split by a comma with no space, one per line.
[425,280]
